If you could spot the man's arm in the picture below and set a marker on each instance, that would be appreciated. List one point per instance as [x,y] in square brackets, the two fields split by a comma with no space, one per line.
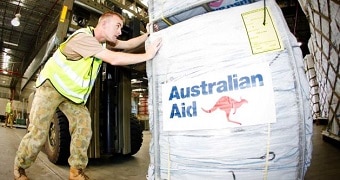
[134,42]
[121,58]
[131,43]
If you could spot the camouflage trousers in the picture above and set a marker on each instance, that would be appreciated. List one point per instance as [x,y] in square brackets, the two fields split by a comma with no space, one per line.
[46,101]
[9,119]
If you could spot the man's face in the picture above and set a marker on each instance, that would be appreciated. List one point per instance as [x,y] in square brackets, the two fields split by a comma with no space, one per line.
[113,28]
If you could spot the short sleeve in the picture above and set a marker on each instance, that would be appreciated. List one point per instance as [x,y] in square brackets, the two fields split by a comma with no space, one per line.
[82,45]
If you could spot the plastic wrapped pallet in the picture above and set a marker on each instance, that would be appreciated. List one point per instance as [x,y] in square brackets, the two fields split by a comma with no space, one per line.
[165,8]
[228,98]
[324,46]
[168,12]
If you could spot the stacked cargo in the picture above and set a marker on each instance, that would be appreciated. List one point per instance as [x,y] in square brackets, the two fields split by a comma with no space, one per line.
[228,97]
[322,64]
[143,106]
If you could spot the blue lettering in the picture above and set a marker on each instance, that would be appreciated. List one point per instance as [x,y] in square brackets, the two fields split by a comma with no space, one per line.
[195,91]
[211,86]
[244,82]
[232,83]
[175,111]
[183,110]
[186,110]
[185,94]
[230,79]
[235,82]
[222,86]
[174,93]
[259,78]
[192,110]
[204,86]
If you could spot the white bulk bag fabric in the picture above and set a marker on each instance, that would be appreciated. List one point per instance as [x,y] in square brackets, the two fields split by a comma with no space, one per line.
[207,44]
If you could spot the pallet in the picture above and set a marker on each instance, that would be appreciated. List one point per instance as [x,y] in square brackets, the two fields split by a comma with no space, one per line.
[331,138]
[321,121]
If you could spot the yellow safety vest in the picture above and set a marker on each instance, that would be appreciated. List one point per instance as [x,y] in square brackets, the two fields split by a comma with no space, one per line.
[72,79]
[8,107]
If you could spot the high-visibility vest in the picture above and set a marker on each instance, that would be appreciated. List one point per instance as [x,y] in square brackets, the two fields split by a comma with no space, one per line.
[73,79]
[8,107]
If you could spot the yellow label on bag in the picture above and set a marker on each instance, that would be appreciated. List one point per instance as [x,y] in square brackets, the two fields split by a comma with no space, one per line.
[262,33]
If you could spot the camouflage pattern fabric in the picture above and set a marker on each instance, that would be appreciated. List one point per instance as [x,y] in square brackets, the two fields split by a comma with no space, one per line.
[9,119]
[45,101]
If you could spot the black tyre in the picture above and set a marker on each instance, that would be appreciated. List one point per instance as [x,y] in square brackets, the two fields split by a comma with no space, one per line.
[57,146]
[136,135]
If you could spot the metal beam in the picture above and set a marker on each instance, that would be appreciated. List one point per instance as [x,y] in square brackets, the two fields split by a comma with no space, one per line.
[135,7]
[92,6]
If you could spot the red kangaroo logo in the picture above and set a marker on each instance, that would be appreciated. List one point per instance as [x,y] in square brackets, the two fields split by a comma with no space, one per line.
[226,104]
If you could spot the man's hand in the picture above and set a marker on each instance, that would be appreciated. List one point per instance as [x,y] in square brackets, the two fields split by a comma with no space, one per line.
[152,49]
[148,28]
[154,26]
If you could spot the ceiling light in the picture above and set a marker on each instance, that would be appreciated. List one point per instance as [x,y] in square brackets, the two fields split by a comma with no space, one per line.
[9,43]
[16,21]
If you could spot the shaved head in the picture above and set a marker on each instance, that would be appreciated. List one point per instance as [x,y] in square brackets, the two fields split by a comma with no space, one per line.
[110,14]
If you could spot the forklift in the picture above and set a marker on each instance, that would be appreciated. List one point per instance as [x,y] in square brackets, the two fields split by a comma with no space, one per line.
[115,129]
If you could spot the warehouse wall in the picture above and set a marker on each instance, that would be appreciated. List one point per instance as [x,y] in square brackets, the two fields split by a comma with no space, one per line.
[18,107]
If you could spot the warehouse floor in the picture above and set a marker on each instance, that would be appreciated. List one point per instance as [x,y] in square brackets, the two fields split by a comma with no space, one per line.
[325,162]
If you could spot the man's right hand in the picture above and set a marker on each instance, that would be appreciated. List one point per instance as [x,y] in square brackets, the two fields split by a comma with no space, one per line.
[152,49]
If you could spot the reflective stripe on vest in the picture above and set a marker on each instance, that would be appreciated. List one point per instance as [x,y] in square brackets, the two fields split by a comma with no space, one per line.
[72,79]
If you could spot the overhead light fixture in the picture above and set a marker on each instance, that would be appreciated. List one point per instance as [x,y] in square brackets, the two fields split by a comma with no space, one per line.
[9,43]
[16,20]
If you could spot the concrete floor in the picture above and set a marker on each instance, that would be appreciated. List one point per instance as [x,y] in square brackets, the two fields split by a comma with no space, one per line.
[325,157]
[325,162]
[114,168]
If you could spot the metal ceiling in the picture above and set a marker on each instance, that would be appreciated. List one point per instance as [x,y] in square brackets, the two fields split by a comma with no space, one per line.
[19,44]
[39,19]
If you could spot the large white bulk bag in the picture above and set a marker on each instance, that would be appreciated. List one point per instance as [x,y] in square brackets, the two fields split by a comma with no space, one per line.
[167,12]
[253,75]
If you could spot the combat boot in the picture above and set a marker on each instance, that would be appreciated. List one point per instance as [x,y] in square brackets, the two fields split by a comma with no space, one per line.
[77,174]
[19,174]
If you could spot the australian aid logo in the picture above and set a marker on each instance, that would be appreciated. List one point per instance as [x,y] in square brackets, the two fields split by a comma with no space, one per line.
[225,98]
